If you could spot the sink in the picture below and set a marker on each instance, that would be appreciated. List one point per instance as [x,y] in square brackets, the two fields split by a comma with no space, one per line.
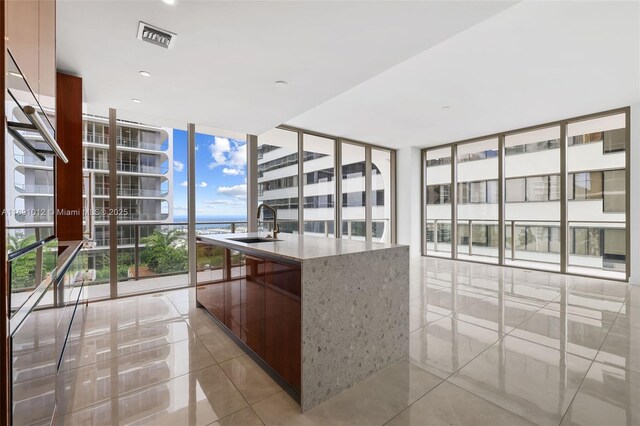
[251,240]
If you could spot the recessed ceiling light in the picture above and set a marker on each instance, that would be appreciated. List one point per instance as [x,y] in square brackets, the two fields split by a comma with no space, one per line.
[280,83]
[144,73]
[446,107]
[170,2]
[136,101]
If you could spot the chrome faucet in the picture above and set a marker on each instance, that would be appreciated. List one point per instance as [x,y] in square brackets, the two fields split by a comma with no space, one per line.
[276,229]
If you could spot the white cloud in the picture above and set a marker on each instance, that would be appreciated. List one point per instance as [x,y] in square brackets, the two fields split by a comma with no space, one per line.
[203,184]
[237,191]
[197,147]
[179,208]
[185,183]
[233,171]
[178,166]
[229,153]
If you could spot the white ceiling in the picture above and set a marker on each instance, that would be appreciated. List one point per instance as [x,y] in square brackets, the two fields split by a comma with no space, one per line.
[228,55]
[533,63]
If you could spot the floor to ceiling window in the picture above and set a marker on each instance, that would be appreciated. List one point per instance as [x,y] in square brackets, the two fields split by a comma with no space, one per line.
[319,185]
[437,207]
[381,195]
[300,168]
[532,194]
[583,230]
[477,216]
[353,192]
[596,186]
[278,178]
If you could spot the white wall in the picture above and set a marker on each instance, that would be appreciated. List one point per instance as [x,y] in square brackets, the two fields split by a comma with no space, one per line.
[408,176]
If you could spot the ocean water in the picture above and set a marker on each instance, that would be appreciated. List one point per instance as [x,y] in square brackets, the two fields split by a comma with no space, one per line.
[212,218]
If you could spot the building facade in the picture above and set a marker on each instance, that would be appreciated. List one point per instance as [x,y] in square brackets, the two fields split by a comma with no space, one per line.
[281,176]
[144,185]
[596,197]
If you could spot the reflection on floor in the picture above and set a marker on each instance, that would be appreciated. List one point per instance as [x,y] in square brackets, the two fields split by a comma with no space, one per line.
[489,345]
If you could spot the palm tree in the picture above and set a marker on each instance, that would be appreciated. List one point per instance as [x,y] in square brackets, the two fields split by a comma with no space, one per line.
[163,254]
[16,243]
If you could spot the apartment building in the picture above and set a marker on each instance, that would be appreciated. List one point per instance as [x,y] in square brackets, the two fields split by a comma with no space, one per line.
[144,188]
[280,177]
[595,215]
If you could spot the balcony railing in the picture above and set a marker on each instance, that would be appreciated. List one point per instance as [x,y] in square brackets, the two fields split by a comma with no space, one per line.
[34,218]
[122,141]
[35,189]
[96,165]
[126,167]
[525,241]
[137,192]
[132,192]
[163,252]
[137,168]
[33,161]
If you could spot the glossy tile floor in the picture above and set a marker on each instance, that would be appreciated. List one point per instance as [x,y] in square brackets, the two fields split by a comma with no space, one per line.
[489,346]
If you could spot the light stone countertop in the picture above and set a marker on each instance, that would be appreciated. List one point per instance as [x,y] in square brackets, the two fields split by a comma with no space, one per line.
[294,246]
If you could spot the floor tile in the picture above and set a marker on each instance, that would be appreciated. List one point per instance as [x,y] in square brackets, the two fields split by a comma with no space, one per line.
[446,301]
[109,379]
[498,314]
[572,333]
[251,380]
[378,398]
[531,380]
[113,315]
[281,409]
[601,287]
[97,348]
[448,344]
[594,306]
[244,417]
[420,317]
[450,405]
[373,401]
[221,346]
[198,398]
[608,396]
[621,348]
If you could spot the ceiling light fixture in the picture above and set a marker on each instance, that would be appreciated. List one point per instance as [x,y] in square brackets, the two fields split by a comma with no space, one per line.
[170,2]
[136,101]
[280,83]
[446,107]
[144,73]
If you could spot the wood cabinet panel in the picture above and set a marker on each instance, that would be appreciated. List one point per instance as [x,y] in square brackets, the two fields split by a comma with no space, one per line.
[283,321]
[211,297]
[67,176]
[253,307]
[233,305]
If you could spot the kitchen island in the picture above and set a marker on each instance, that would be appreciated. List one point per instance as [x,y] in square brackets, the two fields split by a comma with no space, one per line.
[322,313]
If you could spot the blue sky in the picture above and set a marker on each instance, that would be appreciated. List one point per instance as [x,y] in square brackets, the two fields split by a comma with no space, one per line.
[221,188]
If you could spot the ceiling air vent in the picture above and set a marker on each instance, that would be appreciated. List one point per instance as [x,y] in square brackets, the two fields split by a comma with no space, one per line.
[155,35]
